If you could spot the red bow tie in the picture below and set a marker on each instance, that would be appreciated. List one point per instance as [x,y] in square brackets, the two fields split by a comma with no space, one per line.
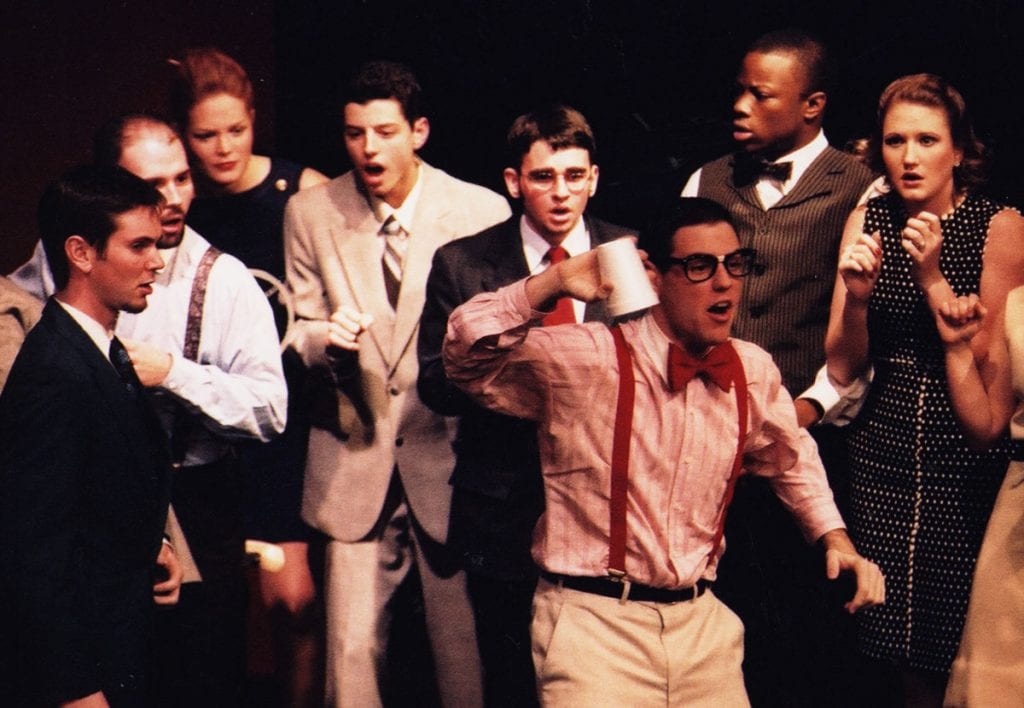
[718,366]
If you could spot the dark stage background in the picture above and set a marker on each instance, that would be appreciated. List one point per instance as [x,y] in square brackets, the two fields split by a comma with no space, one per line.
[653,77]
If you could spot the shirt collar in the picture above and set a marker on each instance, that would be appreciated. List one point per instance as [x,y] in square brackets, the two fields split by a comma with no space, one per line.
[404,213]
[802,158]
[535,247]
[97,332]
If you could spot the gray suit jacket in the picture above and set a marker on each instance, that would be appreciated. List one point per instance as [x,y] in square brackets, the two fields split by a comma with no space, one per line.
[368,417]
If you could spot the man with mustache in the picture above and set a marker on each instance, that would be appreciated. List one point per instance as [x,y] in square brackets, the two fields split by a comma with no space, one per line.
[636,493]
[231,388]
[789,193]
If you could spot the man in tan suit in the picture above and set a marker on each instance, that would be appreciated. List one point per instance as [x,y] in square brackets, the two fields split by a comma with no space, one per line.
[358,252]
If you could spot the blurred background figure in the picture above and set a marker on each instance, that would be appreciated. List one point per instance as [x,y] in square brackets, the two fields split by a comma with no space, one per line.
[239,207]
[988,667]
[19,312]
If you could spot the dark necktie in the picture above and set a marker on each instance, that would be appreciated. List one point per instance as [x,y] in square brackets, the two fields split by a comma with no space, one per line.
[123,365]
[563,312]
[718,365]
[747,170]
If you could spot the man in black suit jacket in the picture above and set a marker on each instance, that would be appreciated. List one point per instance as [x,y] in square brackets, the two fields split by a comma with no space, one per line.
[498,493]
[84,469]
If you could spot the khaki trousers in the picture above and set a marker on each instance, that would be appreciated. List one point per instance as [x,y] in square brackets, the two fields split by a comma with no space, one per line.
[591,650]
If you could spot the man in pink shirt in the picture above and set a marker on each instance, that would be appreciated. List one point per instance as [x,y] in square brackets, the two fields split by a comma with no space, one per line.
[627,549]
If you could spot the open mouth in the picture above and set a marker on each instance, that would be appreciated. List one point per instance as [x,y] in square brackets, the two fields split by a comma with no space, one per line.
[373,170]
[721,308]
[741,132]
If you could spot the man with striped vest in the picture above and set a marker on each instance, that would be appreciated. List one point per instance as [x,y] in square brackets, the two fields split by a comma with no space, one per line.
[789,194]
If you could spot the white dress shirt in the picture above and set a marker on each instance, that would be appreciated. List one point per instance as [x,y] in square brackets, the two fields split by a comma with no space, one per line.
[536,247]
[770,190]
[236,390]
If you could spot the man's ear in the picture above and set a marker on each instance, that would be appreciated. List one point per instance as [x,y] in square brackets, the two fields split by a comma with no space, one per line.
[593,180]
[81,255]
[512,183]
[814,106]
[420,132]
[653,275]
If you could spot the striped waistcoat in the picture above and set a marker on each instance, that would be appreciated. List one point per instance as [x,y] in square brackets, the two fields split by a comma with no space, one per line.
[785,310]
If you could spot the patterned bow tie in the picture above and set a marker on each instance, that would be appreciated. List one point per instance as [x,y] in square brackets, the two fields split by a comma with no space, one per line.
[718,366]
[748,170]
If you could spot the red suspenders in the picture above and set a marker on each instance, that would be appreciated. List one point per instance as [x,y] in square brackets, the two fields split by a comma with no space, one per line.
[620,457]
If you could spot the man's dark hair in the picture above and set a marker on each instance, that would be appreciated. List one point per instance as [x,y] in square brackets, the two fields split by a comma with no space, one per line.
[381,80]
[559,126]
[656,239]
[110,140]
[811,53]
[86,202]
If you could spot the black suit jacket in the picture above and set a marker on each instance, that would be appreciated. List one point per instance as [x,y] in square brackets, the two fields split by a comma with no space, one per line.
[84,485]
[496,455]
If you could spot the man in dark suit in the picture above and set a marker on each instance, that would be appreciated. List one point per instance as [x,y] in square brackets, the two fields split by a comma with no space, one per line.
[789,194]
[84,469]
[498,494]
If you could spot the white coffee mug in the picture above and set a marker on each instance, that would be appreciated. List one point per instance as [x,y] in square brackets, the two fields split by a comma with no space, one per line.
[621,266]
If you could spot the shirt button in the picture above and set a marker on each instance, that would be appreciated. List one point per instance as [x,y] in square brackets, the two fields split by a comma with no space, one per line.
[399,441]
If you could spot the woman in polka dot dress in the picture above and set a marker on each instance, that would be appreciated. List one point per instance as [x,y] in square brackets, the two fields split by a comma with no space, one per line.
[920,495]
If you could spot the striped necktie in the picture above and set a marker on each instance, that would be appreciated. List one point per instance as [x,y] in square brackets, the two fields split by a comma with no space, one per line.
[396,243]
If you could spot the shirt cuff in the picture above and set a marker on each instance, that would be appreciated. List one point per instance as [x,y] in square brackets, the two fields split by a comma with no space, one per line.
[822,391]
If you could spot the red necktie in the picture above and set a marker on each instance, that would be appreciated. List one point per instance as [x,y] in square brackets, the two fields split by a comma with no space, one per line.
[563,312]
[718,365]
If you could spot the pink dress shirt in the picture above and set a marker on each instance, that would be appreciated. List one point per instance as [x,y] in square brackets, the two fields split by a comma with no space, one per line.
[683,444]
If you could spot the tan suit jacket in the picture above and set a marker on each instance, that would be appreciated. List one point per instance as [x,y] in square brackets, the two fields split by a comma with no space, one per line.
[374,418]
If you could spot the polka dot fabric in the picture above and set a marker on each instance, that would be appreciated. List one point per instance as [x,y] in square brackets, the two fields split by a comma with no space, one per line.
[920,497]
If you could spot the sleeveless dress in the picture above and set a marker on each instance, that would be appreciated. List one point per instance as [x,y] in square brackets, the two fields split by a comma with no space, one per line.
[249,225]
[920,498]
[989,669]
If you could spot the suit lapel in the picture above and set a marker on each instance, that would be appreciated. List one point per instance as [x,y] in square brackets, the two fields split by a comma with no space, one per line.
[129,416]
[358,250]
[504,261]
[429,231]
[817,180]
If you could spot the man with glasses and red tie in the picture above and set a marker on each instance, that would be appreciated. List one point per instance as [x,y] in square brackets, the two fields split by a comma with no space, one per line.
[643,429]
[497,493]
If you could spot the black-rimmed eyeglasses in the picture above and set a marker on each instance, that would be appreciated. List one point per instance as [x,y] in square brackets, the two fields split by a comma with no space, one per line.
[699,267]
